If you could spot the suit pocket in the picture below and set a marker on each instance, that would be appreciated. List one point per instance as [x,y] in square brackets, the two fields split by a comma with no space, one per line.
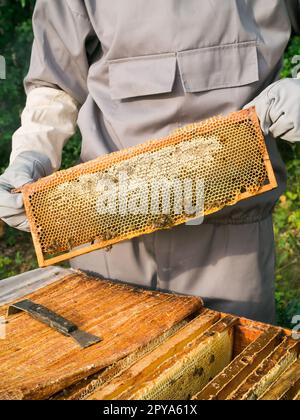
[219,67]
[142,76]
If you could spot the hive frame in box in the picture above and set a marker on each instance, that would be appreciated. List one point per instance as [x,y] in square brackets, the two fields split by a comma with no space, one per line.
[194,131]
[255,344]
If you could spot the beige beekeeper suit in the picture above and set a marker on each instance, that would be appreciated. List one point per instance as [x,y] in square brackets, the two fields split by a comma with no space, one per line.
[137,69]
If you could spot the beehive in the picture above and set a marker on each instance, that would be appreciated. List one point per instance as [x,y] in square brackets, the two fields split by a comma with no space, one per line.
[195,171]
[176,350]
[206,360]
[37,362]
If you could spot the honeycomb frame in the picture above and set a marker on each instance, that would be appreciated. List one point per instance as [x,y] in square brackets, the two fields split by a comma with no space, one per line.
[61,208]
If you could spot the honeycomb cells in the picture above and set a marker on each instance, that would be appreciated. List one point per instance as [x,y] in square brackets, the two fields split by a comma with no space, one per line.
[197,170]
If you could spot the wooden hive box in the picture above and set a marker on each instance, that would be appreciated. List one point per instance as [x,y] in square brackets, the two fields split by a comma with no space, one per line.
[36,362]
[213,357]
[155,346]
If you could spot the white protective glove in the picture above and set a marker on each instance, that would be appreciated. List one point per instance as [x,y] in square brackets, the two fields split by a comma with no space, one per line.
[278,109]
[48,121]
[26,168]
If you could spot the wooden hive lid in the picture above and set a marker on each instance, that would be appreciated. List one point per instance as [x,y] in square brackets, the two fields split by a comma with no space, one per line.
[37,362]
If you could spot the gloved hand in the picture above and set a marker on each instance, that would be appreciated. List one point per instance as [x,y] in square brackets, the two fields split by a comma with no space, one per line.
[278,109]
[26,168]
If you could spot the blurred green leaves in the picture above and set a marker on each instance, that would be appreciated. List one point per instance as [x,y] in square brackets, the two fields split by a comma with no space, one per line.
[15,45]
[287,236]
[292,51]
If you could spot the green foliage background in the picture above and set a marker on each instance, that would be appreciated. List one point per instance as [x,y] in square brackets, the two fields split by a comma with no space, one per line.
[16,253]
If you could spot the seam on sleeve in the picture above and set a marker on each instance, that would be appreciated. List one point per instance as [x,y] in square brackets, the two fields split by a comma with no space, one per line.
[76,12]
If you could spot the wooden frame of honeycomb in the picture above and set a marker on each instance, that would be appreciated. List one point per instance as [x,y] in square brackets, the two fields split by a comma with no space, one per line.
[227,154]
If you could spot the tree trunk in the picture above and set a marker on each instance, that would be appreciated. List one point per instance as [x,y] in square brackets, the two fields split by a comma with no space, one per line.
[2,229]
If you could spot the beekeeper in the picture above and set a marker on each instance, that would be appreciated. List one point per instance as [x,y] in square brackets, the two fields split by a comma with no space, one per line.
[127,71]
